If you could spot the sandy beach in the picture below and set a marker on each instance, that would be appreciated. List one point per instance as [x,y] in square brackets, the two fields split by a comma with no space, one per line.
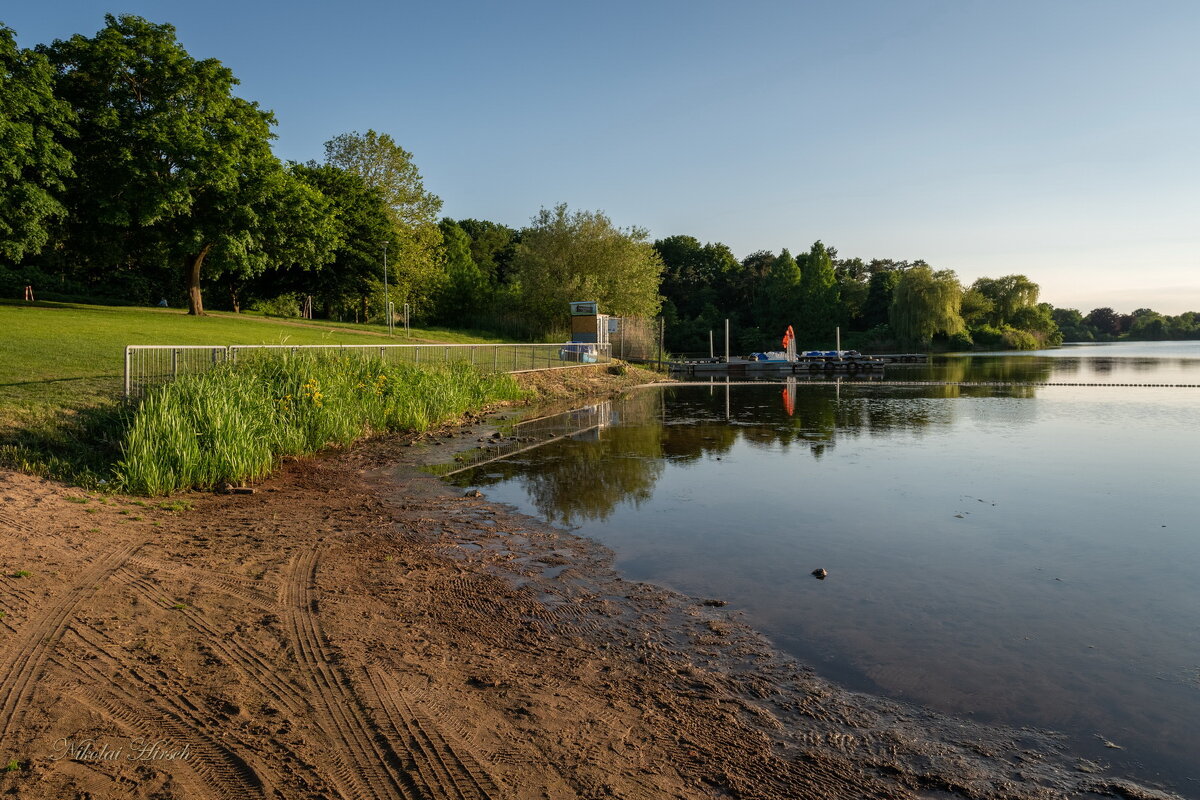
[357,629]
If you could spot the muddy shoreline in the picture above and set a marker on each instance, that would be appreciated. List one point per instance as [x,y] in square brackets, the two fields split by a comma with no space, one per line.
[357,628]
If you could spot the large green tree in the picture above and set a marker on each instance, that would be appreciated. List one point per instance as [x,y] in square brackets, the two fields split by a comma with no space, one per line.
[565,256]
[750,281]
[172,168]
[1006,296]
[1104,320]
[697,275]
[820,310]
[779,302]
[493,246]
[880,288]
[464,292]
[853,276]
[416,262]
[697,288]
[926,303]
[364,230]
[34,163]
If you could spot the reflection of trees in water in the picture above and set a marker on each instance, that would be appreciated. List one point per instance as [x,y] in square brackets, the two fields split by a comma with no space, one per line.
[585,477]
[694,440]
[819,416]
[999,369]
[1012,369]
[586,480]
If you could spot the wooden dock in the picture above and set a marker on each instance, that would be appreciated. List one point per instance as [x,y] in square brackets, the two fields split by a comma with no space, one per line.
[804,365]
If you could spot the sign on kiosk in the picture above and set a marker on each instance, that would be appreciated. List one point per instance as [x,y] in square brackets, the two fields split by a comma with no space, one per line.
[584,308]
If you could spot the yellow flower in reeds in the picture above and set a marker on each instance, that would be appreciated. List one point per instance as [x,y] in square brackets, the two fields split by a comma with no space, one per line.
[311,392]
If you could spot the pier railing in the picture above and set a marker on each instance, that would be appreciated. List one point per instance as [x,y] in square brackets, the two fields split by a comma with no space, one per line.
[151,365]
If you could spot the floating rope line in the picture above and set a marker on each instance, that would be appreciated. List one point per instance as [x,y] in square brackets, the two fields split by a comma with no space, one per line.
[802,382]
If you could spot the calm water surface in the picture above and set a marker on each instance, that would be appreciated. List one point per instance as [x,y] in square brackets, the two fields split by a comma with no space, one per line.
[1020,554]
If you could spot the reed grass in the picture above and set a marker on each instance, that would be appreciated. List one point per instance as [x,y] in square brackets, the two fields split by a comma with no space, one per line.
[233,423]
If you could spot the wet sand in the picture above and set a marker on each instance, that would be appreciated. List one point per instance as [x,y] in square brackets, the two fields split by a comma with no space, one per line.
[356,628]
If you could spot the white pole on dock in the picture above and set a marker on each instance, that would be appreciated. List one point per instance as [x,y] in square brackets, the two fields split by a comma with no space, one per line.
[839,339]
[711,352]
[662,334]
[727,340]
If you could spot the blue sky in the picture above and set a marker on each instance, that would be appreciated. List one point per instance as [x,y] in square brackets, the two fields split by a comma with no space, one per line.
[1060,140]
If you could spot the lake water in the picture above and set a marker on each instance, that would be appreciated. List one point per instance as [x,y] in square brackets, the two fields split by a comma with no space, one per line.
[1023,554]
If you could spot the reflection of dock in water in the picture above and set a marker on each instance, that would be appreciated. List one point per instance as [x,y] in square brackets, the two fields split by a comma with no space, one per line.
[529,434]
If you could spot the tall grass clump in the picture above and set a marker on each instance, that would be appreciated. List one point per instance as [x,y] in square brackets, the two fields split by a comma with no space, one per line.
[235,421]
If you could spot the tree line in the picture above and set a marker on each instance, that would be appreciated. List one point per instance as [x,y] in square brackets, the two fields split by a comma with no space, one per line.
[130,171]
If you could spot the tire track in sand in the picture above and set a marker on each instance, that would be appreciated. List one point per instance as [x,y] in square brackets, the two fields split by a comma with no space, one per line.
[250,665]
[222,760]
[24,655]
[369,766]
[240,587]
[134,726]
[445,771]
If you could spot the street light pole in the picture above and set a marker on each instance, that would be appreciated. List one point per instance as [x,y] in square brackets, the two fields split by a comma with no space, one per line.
[387,300]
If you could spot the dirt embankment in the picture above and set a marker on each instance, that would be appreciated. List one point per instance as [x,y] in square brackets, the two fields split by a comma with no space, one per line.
[357,629]
[548,386]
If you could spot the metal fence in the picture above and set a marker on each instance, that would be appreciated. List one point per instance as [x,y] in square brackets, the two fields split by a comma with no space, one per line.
[147,365]
[151,365]
[636,338]
[532,433]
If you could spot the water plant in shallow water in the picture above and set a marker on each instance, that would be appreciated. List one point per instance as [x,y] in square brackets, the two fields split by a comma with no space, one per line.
[233,423]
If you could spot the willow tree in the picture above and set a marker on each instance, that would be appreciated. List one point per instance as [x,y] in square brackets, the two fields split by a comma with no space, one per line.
[1008,296]
[926,303]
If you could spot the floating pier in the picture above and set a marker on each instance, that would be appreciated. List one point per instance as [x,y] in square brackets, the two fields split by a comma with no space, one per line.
[801,365]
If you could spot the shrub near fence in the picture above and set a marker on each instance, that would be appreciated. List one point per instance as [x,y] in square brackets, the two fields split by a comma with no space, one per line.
[233,422]
[150,365]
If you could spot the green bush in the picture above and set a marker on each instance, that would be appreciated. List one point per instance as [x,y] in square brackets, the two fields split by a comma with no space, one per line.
[286,305]
[960,341]
[234,422]
[1017,339]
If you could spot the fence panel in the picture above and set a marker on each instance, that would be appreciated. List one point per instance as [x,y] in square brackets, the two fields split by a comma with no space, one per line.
[147,366]
[150,365]
[635,339]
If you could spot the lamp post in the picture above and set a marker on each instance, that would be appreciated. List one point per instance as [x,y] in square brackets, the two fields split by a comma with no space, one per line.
[387,300]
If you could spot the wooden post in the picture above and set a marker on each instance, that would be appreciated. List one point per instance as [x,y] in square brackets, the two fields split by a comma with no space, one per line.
[662,327]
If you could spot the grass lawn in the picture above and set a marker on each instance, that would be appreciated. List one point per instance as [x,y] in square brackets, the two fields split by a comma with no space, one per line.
[434,333]
[61,368]
[64,357]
